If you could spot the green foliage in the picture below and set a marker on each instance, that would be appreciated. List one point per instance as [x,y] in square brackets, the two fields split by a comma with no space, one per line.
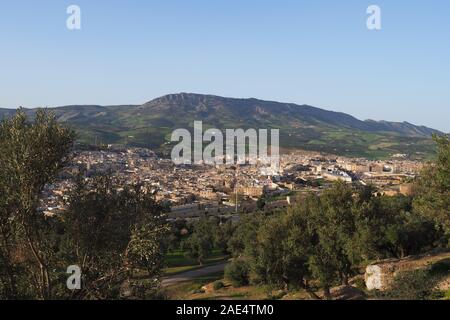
[333,226]
[419,284]
[327,237]
[110,234]
[223,235]
[447,295]
[261,203]
[387,227]
[238,272]
[113,234]
[177,233]
[412,285]
[217,285]
[279,258]
[433,187]
[31,155]
[200,243]
[242,242]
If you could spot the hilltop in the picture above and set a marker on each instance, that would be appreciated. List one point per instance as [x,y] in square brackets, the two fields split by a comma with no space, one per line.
[301,126]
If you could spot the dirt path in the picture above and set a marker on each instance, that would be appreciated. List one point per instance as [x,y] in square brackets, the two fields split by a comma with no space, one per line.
[191,275]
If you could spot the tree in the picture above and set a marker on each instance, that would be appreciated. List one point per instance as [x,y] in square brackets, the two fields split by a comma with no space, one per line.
[200,243]
[108,233]
[112,234]
[387,227]
[238,273]
[261,203]
[242,242]
[31,155]
[311,240]
[332,222]
[178,231]
[223,235]
[270,257]
[283,247]
[433,187]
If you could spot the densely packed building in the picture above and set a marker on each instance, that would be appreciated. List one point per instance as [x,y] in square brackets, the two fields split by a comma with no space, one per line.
[192,190]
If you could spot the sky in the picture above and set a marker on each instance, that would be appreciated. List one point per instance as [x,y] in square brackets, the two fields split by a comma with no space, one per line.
[316,52]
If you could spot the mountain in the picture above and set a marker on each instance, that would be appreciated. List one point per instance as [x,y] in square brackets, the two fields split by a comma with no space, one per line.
[301,126]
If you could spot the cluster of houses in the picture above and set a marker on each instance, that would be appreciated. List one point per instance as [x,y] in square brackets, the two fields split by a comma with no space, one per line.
[195,190]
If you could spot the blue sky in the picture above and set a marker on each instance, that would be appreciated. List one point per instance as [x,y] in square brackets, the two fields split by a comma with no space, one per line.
[317,52]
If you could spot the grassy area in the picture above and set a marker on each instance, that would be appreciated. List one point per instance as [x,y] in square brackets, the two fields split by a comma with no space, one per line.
[177,262]
[427,283]
[428,278]
[279,197]
[195,290]
[186,290]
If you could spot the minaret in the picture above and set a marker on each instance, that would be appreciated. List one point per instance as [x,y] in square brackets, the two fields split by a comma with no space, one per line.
[236,172]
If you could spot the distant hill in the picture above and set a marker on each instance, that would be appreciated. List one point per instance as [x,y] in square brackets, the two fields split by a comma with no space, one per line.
[301,126]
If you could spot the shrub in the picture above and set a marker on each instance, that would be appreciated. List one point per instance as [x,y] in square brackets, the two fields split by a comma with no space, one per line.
[447,295]
[198,291]
[255,279]
[360,283]
[217,285]
[413,285]
[237,272]
[277,295]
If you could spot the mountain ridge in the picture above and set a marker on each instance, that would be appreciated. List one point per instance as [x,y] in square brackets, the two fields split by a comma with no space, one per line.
[301,126]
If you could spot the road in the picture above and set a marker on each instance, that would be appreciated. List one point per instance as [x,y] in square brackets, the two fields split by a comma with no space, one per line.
[193,274]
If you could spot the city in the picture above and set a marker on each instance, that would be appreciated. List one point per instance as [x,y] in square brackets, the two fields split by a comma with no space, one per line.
[202,159]
[193,191]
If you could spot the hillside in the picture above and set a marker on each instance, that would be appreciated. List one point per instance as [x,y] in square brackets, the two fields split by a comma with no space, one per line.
[301,126]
